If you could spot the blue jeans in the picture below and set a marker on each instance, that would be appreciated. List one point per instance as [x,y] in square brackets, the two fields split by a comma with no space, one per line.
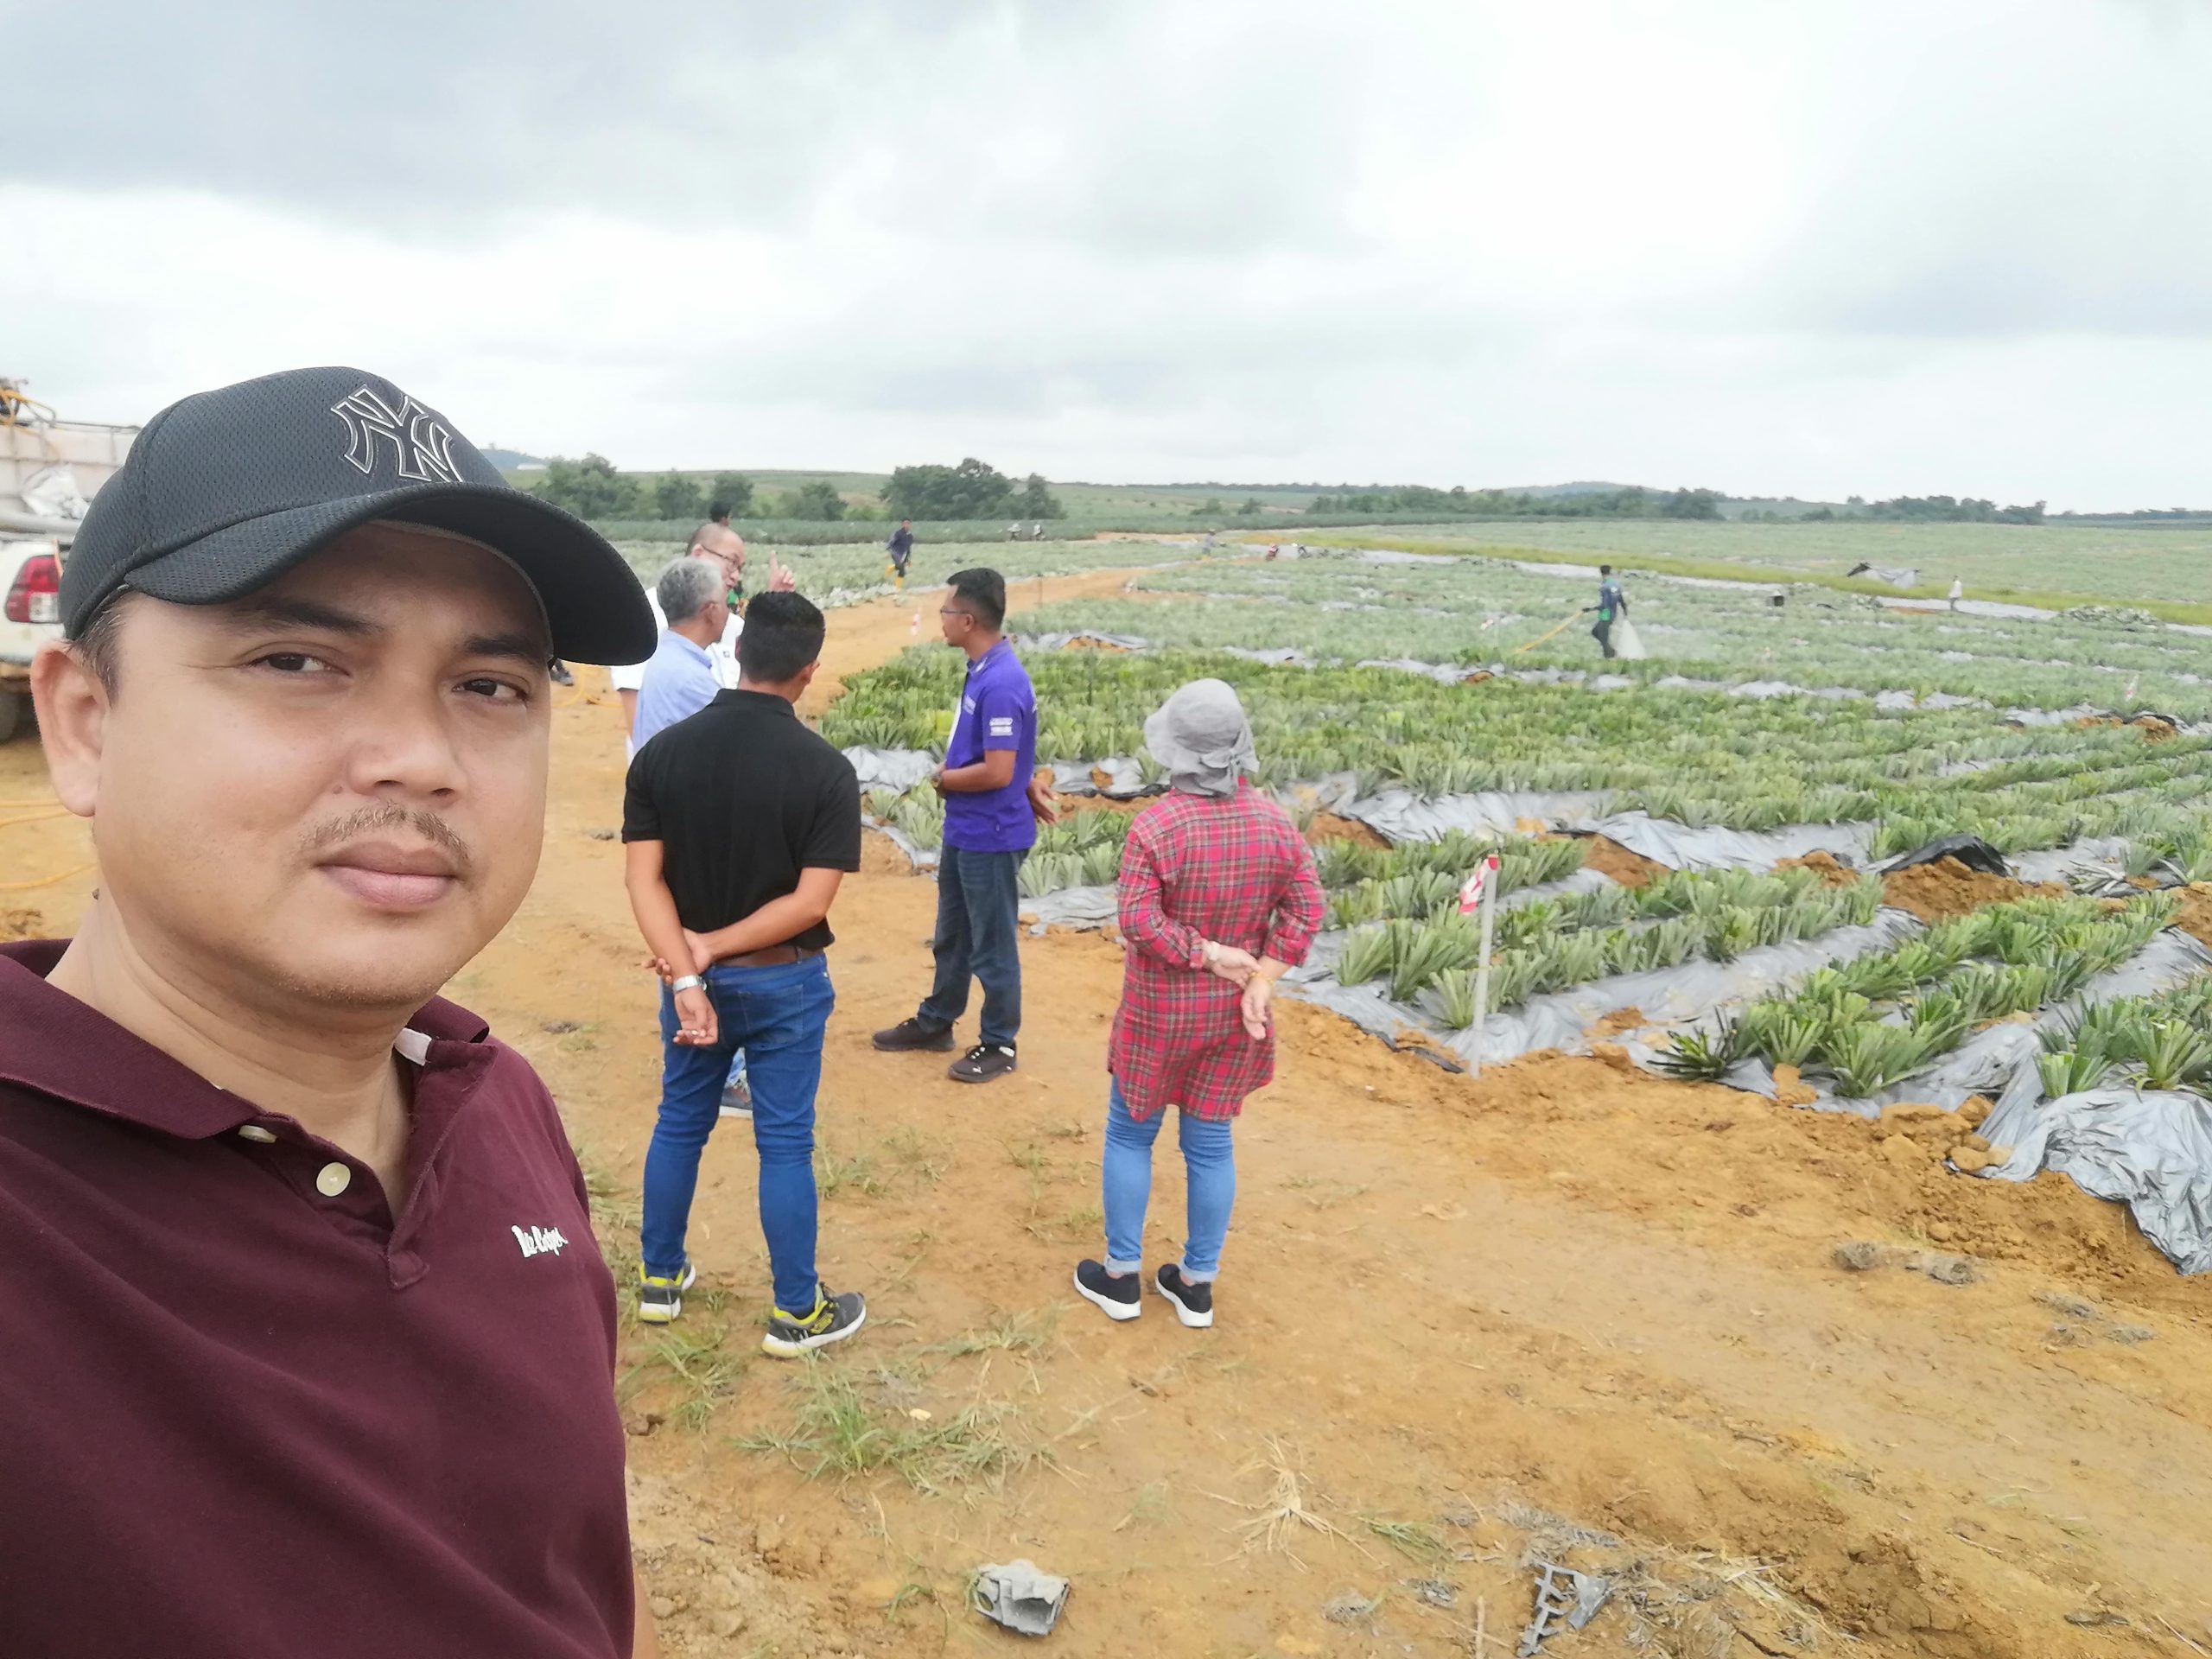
[777,1015]
[978,901]
[1209,1167]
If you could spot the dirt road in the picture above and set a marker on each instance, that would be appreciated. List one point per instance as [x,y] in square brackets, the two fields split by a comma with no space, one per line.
[1569,1308]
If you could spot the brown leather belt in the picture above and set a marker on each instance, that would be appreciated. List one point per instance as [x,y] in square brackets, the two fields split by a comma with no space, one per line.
[775,955]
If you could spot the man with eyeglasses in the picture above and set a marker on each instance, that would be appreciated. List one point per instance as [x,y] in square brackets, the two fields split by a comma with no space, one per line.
[994,802]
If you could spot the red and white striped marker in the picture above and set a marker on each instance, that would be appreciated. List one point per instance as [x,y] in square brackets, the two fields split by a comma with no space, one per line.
[1471,894]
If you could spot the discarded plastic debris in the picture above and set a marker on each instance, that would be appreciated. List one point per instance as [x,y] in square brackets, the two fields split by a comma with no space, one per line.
[1970,850]
[1562,1594]
[1021,1597]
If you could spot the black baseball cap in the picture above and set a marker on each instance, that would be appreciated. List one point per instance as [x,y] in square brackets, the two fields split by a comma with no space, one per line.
[226,490]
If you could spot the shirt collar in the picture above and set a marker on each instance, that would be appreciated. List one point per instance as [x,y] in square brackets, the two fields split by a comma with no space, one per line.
[58,1046]
[997,653]
[669,636]
[759,702]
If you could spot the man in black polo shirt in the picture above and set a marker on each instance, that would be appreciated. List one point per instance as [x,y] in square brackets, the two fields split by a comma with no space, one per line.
[305,1346]
[740,824]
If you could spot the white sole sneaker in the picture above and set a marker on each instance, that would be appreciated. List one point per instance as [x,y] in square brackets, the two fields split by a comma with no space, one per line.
[1190,1316]
[655,1313]
[1107,1305]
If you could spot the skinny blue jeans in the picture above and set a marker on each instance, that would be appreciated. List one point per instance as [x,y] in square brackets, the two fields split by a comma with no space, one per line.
[777,1016]
[1209,1167]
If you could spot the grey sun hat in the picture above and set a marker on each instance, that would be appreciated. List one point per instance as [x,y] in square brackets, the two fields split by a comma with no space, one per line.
[1200,734]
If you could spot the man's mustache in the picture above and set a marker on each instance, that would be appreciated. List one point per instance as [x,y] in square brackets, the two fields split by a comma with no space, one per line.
[385,817]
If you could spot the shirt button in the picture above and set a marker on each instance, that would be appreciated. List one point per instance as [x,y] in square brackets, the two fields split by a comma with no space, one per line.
[331,1179]
[255,1132]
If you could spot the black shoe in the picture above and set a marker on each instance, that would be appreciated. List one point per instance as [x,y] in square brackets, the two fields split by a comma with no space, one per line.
[1117,1295]
[1194,1303]
[834,1318]
[912,1036]
[560,675]
[982,1063]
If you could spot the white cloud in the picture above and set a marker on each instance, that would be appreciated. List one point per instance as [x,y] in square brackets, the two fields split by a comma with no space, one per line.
[1940,246]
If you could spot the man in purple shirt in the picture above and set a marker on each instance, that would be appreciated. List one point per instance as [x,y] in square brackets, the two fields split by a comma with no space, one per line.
[301,1325]
[992,803]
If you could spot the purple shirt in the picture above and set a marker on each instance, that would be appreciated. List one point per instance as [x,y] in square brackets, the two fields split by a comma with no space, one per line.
[998,710]
[290,1423]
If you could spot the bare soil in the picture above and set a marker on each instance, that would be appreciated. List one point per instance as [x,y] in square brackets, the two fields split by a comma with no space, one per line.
[1832,871]
[1608,857]
[1944,888]
[1327,826]
[1566,1309]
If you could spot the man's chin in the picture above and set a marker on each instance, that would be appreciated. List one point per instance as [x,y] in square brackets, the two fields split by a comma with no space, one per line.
[380,968]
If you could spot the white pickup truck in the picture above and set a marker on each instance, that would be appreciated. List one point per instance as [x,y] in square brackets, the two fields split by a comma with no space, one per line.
[49,470]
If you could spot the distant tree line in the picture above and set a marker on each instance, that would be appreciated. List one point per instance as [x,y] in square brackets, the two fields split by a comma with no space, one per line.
[592,488]
[973,489]
[1933,509]
[1458,501]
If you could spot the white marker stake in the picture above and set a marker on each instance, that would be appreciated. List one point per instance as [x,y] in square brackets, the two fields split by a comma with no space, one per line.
[1479,893]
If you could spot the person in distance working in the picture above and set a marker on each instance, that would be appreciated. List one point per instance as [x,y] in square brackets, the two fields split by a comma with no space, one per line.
[685,671]
[994,801]
[901,548]
[1218,900]
[1611,608]
[302,1316]
[740,824]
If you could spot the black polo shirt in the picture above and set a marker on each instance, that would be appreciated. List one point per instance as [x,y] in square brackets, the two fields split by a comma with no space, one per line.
[251,1404]
[742,796]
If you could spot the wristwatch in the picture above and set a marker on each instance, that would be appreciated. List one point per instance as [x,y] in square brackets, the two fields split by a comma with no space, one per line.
[688,982]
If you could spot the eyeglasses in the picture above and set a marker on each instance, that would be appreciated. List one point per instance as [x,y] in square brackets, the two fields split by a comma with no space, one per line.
[948,610]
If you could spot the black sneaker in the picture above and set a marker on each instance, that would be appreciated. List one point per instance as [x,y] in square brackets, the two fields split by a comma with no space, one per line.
[1194,1303]
[910,1036]
[982,1063]
[660,1300]
[1117,1295]
[834,1318]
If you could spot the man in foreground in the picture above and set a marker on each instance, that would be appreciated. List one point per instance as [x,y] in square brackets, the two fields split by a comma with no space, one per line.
[301,1317]
[740,824]
[993,803]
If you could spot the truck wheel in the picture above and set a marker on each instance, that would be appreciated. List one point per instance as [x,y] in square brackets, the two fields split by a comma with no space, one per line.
[15,710]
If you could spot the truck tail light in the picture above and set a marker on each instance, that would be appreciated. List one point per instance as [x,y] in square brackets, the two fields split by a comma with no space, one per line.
[35,595]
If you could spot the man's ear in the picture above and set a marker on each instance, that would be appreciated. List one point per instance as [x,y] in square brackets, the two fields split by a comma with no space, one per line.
[73,709]
[806,675]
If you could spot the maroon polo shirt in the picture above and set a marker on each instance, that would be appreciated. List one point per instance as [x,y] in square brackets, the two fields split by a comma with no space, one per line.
[243,1413]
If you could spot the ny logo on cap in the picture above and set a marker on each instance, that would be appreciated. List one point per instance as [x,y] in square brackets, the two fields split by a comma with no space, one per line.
[421,445]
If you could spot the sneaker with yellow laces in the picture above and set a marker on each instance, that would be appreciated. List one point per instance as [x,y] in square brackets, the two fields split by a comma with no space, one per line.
[834,1318]
[661,1299]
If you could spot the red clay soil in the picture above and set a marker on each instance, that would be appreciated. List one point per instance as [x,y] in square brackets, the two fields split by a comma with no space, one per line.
[1835,873]
[2195,916]
[1327,827]
[1608,857]
[1946,887]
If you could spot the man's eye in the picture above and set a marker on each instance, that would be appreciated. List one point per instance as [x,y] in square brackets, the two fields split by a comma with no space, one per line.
[498,690]
[291,662]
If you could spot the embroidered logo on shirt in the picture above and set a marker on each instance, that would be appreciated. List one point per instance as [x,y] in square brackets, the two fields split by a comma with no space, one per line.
[1002,726]
[539,1241]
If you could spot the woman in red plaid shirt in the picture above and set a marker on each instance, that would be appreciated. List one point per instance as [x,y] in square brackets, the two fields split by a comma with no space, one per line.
[1218,900]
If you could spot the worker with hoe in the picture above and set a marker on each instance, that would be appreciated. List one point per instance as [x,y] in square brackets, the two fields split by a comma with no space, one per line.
[1218,900]
[992,803]
[1611,608]
[302,1316]
[740,824]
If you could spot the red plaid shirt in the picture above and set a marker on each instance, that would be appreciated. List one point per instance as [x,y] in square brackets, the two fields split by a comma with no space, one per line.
[1231,869]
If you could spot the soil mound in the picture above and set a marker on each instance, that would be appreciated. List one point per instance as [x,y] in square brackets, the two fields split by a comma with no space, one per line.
[1945,888]
[1834,872]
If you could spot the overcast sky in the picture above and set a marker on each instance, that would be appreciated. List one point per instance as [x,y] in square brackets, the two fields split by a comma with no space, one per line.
[1877,246]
